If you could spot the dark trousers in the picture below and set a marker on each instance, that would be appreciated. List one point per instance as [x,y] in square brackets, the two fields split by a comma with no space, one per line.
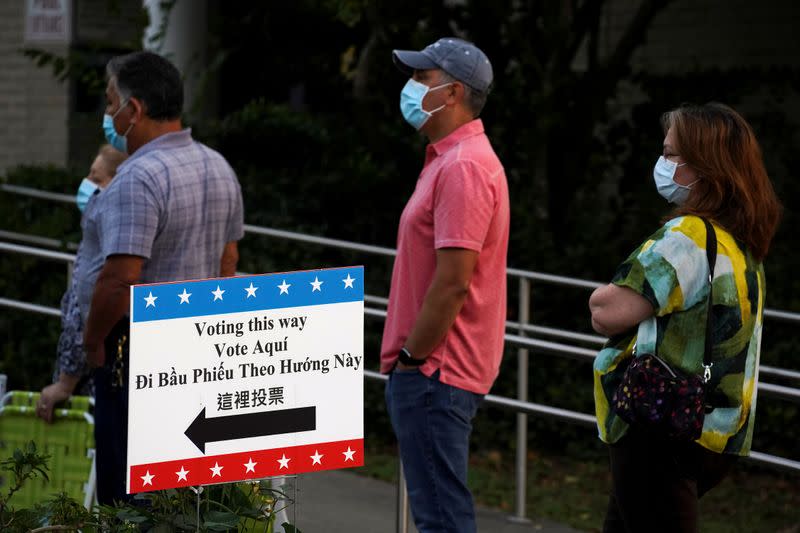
[656,483]
[111,419]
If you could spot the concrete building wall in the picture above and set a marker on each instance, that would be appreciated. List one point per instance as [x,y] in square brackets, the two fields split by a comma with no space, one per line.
[45,121]
[33,104]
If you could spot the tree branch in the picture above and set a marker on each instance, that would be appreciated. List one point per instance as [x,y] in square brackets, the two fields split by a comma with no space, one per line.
[585,18]
[634,35]
[362,69]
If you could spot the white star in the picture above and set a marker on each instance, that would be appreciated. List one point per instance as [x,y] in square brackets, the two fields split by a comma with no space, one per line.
[250,466]
[284,461]
[182,474]
[217,294]
[284,287]
[148,479]
[316,458]
[184,296]
[348,455]
[216,470]
[348,281]
[316,284]
[151,300]
[251,291]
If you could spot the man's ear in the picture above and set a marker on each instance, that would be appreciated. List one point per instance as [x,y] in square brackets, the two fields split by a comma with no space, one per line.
[456,93]
[138,110]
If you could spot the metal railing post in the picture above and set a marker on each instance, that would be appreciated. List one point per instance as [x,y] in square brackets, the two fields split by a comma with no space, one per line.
[522,395]
[402,499]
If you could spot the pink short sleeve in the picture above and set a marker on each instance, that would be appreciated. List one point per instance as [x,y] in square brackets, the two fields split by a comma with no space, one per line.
[464,204]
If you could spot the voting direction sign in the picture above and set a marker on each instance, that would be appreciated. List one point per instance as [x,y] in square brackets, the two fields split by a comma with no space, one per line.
[246,377]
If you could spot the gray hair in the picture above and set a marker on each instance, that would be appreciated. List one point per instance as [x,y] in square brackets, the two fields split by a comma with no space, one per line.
[151,79]
[112,73]
[474,98]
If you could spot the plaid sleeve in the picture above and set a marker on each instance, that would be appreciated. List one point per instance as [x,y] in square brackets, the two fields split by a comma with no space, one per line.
[130,216]
[669,268]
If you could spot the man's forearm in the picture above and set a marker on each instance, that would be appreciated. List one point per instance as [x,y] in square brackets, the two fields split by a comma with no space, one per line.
[109,304]
[230,258]
[110,301]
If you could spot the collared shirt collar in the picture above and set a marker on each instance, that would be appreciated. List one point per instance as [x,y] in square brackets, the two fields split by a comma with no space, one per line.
[175,139]
[470,129]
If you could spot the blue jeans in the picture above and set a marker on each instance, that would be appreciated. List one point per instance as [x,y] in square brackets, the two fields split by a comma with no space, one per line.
[433,422]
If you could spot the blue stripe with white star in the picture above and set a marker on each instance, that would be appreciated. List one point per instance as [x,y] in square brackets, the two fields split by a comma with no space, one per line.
[162,301]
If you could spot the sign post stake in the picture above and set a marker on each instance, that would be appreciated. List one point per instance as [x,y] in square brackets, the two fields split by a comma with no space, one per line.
[198,491]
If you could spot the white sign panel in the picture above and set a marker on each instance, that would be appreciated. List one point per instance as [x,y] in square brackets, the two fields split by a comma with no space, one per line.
[245,377]
[47,21]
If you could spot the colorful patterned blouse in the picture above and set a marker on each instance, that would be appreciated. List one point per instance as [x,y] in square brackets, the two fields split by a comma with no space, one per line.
[671,271]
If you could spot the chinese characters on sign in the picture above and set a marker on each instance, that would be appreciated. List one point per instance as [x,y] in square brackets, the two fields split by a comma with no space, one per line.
[242,399]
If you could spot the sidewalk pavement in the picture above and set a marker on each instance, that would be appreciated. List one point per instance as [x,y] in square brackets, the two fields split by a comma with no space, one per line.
[341,501]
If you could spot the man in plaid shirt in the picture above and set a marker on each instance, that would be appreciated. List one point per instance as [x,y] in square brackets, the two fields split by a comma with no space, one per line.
[173,212]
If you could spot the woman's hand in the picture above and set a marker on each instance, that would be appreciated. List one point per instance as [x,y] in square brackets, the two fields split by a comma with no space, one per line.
[55,394]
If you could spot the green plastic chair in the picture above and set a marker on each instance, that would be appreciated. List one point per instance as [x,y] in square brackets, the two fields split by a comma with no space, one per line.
[30,399]
[69,441]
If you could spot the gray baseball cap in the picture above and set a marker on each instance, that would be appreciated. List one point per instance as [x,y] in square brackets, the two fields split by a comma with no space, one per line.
[461,59]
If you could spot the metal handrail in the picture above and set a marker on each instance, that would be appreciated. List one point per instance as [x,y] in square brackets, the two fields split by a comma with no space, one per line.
[500,401]
[37,252]
[521,406]
[538,345]
[35,239]
[529,328]
[37,193]
[34,308]
[588,420]
[378,250]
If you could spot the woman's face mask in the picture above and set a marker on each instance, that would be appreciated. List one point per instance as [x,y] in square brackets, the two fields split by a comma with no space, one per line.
[411,102]
[664,176]
[85,191]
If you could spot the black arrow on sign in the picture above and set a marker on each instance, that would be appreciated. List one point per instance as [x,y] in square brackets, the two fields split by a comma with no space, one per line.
[204,430]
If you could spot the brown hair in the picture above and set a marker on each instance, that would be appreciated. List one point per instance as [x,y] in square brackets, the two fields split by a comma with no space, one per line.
[733,188]
[112,158]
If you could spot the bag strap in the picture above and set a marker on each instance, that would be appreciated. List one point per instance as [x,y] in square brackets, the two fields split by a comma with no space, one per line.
[711,254]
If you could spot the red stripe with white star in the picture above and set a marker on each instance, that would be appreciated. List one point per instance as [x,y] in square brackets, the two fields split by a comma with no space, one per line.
[232,467]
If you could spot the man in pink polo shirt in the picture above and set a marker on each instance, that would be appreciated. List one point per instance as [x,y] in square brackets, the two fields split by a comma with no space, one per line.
[443,338]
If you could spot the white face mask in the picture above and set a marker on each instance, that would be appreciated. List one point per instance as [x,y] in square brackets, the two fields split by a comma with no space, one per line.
[664,176]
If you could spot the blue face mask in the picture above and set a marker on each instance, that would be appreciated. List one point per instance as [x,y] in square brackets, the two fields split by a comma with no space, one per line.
[120,142]
[664,176]
[411,102]
[85,191]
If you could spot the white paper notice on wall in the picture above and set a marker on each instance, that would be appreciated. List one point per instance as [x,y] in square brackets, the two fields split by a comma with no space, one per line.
[246,377]
[48,21]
